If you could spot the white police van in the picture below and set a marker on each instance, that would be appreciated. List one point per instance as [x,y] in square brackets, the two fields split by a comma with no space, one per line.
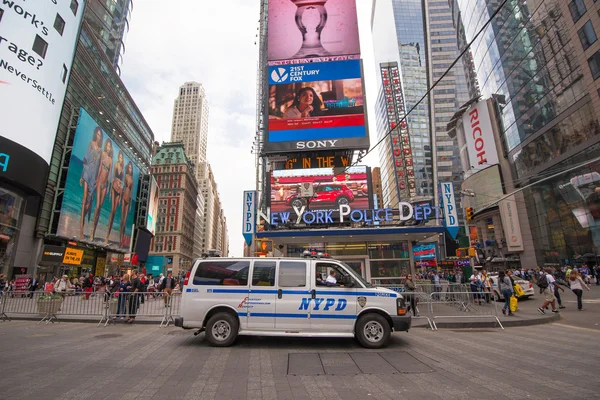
[227,297]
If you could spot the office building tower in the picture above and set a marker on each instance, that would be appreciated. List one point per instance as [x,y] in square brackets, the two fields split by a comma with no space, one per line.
[539,63]
[178,192]
[190,123]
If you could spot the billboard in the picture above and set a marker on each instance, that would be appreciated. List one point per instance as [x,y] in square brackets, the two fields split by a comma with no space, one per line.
[353,188]
[99,198]
[480,136]
[36,52]
[316,106]
[152,212]
[304,29]
[487,187]
[511,223]
[424,252]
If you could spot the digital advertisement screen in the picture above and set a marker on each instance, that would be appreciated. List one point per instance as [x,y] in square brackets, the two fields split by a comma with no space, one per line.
[99,199]
[37,45]
[316,106]
[302,29]
[330,191]
[152,206]
[424,252]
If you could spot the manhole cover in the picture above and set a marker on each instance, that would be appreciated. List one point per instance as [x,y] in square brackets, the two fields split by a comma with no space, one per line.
[473,331]
[42,335]
[108,336]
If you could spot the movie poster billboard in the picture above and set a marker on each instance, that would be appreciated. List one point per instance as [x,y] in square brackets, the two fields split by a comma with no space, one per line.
[352,188]
[317,106]
[304,29]
[152,212]
[99,198]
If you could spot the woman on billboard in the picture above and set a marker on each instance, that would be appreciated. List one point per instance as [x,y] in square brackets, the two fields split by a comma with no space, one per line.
[102,181]
[126,200]
[91,162]
[116,191]
[306,104]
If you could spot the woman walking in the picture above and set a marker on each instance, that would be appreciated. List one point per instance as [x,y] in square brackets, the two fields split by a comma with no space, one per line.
[124,288]
[577,285]
[506,288]
[410,288]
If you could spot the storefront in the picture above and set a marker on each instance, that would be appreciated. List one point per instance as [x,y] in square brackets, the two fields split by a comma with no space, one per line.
[380,255]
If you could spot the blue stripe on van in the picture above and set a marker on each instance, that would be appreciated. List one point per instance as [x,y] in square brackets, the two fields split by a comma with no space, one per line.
[284,315]
[305,292]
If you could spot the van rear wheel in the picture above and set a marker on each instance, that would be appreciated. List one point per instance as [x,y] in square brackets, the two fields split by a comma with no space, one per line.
[372,331]
[222,329]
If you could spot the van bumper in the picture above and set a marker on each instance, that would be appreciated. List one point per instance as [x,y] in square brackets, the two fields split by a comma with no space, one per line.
[401,323]
[179,322]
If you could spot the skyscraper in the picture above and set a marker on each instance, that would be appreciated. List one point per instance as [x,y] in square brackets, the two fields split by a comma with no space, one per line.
[190,123]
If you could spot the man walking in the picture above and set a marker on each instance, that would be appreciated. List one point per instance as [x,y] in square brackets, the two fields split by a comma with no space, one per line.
[167,286]
[546,283]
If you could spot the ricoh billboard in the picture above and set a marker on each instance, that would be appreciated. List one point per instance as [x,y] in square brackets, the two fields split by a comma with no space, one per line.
[100,191]
[316,106]
[479,136]
[37,44]
[307,29]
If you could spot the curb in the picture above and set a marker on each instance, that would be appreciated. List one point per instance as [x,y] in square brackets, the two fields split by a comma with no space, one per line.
[87,321]
[493,324]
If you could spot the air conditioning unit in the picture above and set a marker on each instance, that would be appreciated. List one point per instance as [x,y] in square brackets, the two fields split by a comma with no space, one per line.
[307,189]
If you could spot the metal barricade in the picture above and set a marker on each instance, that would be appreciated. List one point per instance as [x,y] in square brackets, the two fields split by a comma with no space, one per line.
[3,315]
[417,303]
[119,306]
[464,304]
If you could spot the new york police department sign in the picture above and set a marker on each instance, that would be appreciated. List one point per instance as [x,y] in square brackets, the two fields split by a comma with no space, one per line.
[249,216]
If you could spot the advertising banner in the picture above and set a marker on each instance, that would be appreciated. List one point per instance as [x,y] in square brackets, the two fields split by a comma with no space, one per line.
[316,106]
[424,252]
[330,190]
[73,256]
[480,136]
[450,211]
[36,52]
[99,199]
[249,218]
[511,224]
[152,212]
[304,29]
[52,255]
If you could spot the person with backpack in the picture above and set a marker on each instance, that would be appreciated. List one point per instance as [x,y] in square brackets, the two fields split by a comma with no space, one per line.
[577,285]
[546,283]
[506,288]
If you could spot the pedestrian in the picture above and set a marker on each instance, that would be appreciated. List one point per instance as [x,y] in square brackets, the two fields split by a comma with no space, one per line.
[34,284]
[597,269]
[475,285]
[546,283]
[410,288]
[577,285]
[506,288]
[557,288]
[486,285]
[168,285]
[136,286]
[2,284]
[144,287]
[124,289]
[88,286]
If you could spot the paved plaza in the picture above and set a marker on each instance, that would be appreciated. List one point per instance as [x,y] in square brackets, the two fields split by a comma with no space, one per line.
[82,361]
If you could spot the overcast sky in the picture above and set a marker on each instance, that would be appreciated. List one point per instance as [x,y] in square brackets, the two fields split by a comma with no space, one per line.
[211,42]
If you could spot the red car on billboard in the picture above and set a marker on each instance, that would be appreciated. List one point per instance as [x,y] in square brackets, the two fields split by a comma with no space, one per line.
[328,193]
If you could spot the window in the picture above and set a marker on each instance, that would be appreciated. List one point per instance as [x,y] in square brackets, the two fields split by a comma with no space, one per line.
[341,276]
[231,273]
[263,273]
[59,24]
[292,274]
[587,36]
[577,9]
[594,63]
[40,46]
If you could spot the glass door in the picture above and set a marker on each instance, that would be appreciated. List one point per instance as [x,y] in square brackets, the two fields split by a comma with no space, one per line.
[357,265]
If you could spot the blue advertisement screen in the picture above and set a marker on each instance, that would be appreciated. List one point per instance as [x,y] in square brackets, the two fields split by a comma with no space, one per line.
[316,106]
[100,192]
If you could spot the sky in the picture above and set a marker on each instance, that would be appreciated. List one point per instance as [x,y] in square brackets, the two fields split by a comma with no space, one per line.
[212,42]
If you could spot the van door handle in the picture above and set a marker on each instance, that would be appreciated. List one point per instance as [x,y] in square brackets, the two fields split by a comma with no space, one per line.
[313,294]
[279,293]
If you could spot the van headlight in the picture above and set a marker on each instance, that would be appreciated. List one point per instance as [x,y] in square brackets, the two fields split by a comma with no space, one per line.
[401,305]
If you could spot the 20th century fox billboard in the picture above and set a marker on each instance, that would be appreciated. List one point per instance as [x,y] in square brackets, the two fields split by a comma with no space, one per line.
[316,91]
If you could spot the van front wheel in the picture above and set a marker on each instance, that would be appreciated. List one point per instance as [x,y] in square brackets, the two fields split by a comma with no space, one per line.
[222,329]
[372,331]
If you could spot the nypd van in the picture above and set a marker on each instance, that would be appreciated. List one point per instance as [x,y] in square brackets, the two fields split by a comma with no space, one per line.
[309,297]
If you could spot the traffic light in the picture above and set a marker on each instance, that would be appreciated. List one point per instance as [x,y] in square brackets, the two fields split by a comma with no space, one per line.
[469,213]
[472,252]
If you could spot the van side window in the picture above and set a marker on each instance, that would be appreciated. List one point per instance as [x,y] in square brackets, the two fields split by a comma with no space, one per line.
[263,273]
[229,273]
[292,274]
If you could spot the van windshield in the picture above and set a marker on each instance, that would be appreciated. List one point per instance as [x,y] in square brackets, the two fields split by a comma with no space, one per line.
[355,275]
